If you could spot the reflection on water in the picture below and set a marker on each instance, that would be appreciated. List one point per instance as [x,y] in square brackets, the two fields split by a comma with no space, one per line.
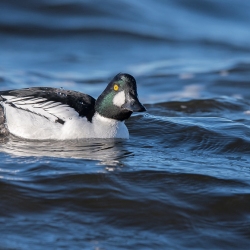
[106,151]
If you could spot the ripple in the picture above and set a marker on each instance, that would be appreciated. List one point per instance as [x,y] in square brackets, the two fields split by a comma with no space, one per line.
[215,134]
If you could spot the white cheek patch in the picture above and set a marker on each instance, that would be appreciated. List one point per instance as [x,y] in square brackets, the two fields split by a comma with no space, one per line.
[119,99]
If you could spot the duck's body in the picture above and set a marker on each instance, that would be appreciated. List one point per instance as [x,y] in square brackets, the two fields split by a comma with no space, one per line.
[49,113]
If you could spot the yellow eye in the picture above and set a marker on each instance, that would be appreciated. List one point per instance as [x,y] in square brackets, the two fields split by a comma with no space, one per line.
[116,87]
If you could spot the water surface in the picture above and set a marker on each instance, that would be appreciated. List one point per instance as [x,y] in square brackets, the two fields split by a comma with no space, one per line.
[182,179]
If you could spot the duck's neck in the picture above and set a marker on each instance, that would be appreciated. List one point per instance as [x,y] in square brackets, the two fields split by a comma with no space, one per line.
[112,112]
[104,119]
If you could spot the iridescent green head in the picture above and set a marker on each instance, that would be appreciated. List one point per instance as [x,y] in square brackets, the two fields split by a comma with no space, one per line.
[120,99]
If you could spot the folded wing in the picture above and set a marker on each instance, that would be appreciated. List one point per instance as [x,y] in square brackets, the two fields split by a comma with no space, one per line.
[57,105]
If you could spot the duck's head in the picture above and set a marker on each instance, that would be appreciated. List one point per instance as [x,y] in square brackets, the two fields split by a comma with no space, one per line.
[120,99]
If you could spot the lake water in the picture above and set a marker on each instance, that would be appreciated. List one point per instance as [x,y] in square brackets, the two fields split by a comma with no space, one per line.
[182,180]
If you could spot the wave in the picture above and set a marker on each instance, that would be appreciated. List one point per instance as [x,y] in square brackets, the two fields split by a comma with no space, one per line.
[158,206]
[201,134]
[150,21]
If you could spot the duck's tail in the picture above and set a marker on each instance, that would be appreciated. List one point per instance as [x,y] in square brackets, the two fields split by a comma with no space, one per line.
[3,129]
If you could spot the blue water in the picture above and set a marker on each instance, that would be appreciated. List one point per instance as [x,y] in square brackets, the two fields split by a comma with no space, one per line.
[182,180]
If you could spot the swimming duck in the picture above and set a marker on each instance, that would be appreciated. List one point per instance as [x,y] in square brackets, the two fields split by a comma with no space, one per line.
[42,113]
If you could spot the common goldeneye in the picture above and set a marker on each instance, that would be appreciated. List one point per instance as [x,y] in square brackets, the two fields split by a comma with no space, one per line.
[51,113]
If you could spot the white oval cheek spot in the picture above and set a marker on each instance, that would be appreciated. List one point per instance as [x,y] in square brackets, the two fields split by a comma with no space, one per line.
[119,99]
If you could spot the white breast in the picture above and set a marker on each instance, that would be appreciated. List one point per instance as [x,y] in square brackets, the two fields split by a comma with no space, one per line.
[109,128]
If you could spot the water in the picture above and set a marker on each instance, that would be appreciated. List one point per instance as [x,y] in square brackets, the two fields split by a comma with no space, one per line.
[182,179]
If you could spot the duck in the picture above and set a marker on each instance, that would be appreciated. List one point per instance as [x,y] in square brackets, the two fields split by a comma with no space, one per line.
[42,113]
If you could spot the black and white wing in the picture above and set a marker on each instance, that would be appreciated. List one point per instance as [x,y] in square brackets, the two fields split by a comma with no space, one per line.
[57,105]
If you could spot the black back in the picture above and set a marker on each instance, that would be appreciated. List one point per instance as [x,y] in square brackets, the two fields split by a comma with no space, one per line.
[82,103]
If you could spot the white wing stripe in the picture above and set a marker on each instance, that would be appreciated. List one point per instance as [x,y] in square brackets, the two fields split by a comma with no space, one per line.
[44,104]
[41,106]
[31,101]
[14,99]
